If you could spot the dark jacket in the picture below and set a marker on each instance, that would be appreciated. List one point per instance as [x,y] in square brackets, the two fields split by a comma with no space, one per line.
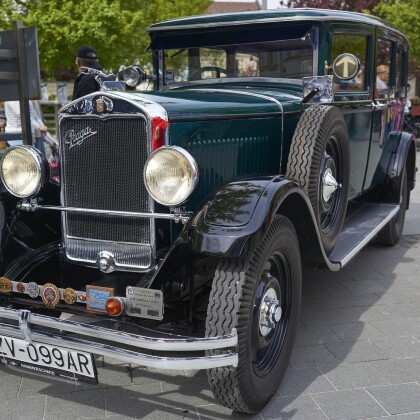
[86,83]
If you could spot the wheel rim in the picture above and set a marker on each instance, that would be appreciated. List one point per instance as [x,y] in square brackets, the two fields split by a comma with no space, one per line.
[330,185]
[271,314]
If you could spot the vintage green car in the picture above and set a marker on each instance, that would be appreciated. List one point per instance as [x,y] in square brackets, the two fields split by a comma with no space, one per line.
[272,140]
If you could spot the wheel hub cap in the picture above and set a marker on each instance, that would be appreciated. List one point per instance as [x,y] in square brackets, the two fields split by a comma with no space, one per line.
[329,185]
[270,312]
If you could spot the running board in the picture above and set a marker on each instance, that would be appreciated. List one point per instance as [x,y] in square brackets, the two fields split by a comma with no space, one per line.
[359,228]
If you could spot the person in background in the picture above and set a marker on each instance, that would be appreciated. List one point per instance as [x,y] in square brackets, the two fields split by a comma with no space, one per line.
[14,125]
[407,107]
[382,76]
[86,82]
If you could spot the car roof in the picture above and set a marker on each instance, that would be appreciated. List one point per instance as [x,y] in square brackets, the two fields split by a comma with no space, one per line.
[265,16]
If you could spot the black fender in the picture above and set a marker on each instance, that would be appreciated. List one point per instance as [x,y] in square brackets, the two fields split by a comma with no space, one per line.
[235,218]
[403,155]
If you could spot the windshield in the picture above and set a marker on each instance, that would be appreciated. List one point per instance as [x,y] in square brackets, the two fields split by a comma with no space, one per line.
[291,58]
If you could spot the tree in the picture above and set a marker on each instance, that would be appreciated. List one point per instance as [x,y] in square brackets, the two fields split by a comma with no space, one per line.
[117,28]
[347,5]
[404,16]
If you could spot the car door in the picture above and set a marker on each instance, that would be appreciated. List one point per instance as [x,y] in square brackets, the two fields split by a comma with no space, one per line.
[388,102]
[354,96]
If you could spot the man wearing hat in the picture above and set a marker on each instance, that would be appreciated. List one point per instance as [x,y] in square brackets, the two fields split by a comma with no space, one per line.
[86,82]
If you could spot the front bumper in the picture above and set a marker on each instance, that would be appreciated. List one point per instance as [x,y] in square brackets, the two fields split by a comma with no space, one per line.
[166,351]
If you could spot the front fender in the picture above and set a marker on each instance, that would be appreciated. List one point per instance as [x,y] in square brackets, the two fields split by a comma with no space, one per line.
[234,220]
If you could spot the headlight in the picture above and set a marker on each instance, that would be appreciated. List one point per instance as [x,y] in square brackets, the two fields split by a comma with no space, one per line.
[134,75]
[23,171]
[170,175]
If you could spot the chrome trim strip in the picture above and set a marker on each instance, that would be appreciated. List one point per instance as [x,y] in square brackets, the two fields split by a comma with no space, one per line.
[177,343]
[28,206]
[350,17]
[368,238]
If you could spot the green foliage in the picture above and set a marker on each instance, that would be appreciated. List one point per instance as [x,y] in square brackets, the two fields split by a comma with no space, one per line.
[404,16]
[116,28]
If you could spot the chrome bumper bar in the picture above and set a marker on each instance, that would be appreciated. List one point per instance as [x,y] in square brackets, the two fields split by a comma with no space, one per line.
[29,326]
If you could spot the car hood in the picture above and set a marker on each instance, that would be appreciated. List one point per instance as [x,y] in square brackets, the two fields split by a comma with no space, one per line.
[211,103]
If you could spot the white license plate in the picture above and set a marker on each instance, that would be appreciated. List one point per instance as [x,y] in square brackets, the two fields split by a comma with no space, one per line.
[53,360]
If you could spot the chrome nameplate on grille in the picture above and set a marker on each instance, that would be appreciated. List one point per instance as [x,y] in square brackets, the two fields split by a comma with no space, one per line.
[76,139]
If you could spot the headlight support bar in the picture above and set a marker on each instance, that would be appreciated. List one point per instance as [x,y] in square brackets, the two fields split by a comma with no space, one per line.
[176,216]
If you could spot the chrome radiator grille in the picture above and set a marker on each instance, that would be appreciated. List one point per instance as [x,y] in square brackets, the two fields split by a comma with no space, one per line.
[104,171]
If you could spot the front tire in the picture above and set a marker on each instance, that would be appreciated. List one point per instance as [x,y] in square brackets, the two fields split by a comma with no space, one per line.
[260,296]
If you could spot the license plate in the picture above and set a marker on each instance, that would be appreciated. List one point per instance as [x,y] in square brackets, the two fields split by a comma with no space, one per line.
[53,360]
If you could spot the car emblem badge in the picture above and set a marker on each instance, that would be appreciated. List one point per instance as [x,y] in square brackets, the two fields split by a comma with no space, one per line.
[88,105]
[20,287]
[33,289]
[70,295]
[6,285]
[50,295]
[100,105]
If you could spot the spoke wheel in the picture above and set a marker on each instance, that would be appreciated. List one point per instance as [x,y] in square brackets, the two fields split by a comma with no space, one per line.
[260,296]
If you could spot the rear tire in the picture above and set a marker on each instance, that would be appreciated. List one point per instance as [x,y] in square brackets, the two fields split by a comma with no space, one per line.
[392,231]
[260,296]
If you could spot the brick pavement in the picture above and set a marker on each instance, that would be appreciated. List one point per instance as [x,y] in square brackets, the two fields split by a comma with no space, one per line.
[357,356]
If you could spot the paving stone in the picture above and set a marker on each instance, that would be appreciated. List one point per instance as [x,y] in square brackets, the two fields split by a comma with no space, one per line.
[399,347]
[36,385]
[362,273]
[398,310]
[397,399]
[322,288]
[351,404]
[304,381]
[144,376]
[315,335]
[75,405]
[311,317]
[23,409]
[361,313]
[198,392]
[398,327]
[366,286]
[312,356]
[300,408]
[399,296]
[135,400]
[324,302]
[398,370]
[217,412]
[10,381]
[357,351]
[359,299]
[353,375]
[108,376]
[353,331]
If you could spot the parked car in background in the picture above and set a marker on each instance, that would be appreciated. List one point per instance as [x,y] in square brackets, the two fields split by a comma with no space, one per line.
[184,215]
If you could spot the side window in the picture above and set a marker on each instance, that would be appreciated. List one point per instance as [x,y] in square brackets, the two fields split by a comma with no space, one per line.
[354,44]
[383,65]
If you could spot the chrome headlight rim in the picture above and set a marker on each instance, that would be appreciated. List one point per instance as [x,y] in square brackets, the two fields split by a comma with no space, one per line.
[194,172]
[137,75]
[41,165]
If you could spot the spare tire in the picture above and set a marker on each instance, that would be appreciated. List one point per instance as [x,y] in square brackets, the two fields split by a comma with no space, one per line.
[319,160]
